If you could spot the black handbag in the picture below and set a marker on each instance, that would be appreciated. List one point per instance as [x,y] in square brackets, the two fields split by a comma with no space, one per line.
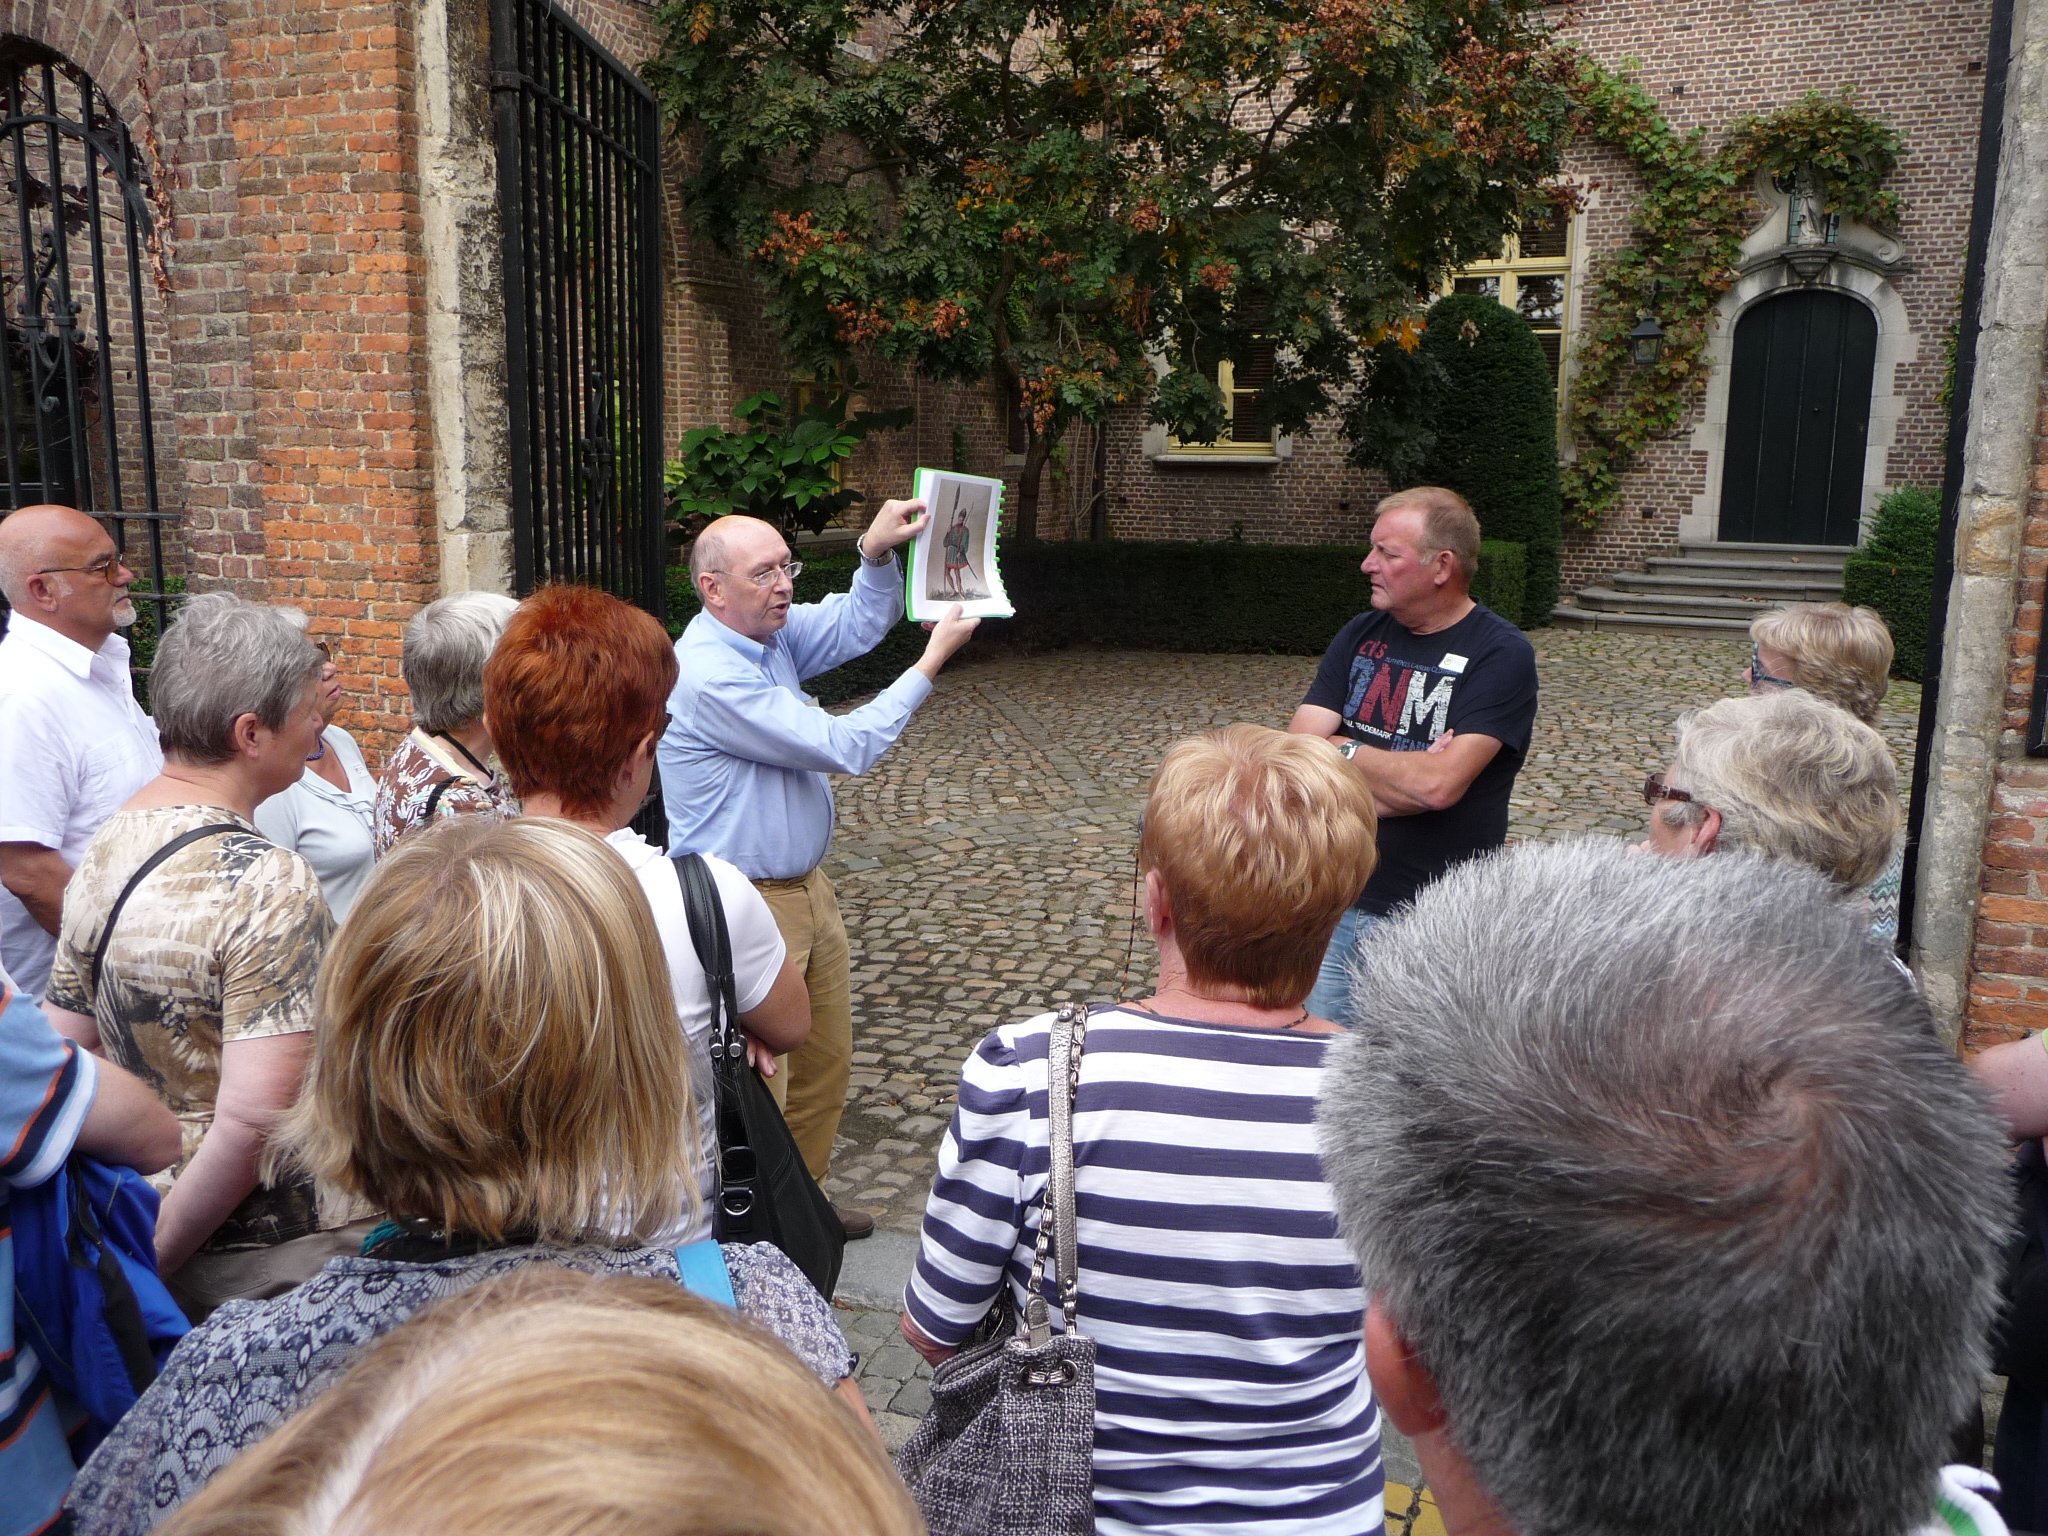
[765,1193]
[1008,1445]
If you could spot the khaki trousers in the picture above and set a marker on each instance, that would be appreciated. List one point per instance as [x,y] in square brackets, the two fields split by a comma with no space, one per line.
[810,1082]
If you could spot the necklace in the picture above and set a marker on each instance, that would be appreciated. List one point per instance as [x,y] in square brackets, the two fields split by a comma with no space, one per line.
[1293,1023]
[471,756]
[314,757]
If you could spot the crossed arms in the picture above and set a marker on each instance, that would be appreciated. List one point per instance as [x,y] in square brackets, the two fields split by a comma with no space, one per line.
[1407,783]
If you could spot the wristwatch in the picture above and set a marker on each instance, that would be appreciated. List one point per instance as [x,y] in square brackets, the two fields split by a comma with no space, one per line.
[1348,749]
[860,548]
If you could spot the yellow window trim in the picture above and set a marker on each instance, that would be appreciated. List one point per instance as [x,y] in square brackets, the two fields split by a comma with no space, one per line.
[1225,447]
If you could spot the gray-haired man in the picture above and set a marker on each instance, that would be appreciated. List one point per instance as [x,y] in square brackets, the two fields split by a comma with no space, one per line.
[1673,1211]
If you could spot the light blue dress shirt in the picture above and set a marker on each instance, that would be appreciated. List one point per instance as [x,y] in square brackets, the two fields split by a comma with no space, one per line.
[745,760]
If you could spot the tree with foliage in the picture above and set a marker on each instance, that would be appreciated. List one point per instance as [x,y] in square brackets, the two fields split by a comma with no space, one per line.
[1493,440]
[1050,193]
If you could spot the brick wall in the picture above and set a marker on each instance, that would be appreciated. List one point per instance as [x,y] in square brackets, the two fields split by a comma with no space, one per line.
[285,369]
[328,210]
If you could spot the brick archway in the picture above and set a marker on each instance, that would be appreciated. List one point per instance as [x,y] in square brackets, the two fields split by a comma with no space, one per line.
[96,35]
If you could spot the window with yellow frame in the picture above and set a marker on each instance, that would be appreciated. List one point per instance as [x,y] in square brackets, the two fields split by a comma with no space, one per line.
[1532,277]
[1241,379]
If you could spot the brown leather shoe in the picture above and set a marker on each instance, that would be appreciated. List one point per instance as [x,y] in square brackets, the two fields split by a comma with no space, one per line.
[858,1224]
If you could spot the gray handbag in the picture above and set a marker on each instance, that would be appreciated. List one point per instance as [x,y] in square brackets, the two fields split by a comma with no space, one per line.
[1008,1445]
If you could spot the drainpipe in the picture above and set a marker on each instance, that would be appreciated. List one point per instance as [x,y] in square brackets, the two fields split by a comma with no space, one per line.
[1990,142]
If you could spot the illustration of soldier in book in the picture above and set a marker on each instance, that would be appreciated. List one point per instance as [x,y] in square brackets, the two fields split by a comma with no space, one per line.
[957,580]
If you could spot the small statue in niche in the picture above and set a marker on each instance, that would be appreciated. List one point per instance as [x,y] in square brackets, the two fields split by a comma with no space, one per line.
[1810,220]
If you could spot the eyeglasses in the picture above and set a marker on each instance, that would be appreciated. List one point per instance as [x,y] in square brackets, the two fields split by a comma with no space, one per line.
[1757,674]
[328,650]
[103,567]
[1655,789]
[790,568]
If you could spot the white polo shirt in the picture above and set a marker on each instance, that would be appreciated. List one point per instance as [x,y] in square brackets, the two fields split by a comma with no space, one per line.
[74,745]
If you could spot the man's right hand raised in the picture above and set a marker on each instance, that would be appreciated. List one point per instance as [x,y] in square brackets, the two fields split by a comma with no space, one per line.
[948,635]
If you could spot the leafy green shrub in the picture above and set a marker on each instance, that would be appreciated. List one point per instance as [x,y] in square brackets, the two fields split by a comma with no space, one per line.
[143,637]
[784,473]
[1259,599]
[1495,425]
[1894,572]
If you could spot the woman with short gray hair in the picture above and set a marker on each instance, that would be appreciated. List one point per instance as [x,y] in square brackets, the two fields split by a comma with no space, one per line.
[190,945]
[1786,775]
[443,767]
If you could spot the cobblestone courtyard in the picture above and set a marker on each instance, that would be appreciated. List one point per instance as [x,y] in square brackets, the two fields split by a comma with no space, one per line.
[985,871]
[985,865]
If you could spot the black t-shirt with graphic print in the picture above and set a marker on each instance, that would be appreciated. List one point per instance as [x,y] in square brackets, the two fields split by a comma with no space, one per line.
[1400,691]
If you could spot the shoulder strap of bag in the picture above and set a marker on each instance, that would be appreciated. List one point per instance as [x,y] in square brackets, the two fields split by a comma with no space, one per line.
[434,797]
[713,943]
[738,1197]
[701,1267]
[1056,1234]
[183,839]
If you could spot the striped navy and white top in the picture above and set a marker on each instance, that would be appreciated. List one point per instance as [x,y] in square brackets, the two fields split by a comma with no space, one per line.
[1231,1395]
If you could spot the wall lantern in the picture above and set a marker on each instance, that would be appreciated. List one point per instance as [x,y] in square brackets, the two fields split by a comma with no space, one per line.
[1646,341]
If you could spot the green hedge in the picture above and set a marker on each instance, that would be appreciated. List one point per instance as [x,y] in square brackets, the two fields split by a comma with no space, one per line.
[1260,599]
[1496,436]
[1894,573]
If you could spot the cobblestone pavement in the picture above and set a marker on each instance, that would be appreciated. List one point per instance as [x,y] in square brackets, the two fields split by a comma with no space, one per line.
[985,866]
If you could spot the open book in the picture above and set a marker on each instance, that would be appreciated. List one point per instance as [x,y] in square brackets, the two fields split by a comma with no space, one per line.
[954,559]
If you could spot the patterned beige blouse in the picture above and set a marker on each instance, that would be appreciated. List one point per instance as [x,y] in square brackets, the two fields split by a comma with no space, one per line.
[221,942]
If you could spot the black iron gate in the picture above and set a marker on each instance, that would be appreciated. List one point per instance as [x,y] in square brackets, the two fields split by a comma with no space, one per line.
[579,153]
[81,289]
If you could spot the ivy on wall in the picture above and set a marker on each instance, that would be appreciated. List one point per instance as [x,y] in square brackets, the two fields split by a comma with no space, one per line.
[1690,222]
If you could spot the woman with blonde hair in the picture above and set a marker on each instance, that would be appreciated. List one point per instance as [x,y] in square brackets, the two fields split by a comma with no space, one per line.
[1231,1393]
[1844,656]
[548,1401]
[500,1069]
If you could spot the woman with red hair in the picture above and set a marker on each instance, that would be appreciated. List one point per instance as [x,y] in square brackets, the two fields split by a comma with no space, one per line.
[575,697]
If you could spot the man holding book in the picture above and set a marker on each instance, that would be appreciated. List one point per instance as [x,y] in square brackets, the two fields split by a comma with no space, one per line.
[1432,697]
[746,760]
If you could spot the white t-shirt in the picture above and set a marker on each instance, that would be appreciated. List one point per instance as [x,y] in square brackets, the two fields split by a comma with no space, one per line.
[757,955]
[74,745]
[327,827]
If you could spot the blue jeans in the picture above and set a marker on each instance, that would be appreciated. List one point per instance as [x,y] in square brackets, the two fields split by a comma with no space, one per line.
[1331,998]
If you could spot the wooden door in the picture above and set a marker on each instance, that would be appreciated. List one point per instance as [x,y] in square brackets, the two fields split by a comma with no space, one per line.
[1798,420]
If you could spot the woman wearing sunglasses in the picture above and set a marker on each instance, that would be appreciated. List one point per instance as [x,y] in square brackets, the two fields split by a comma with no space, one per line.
[1783,774]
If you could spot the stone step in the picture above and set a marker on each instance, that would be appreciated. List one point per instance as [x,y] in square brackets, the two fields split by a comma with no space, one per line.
[1646,623]
[1608,600]
[1741,570]
[1792,554]
[1774,589]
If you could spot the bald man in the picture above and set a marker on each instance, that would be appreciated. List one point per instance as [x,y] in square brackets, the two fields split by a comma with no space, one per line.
[74,744]
[746,760]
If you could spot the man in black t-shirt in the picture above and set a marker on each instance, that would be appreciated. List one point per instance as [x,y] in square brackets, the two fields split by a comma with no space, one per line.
[1432,697]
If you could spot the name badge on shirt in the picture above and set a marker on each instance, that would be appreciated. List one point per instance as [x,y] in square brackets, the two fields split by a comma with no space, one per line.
[1452,663]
